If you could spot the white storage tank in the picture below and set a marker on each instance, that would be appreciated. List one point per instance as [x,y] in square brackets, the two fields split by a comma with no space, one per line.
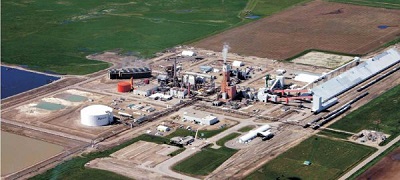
[96,115]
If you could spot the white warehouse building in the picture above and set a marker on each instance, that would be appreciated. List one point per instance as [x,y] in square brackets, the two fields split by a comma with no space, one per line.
[263,130]
[200,118]
[96,115]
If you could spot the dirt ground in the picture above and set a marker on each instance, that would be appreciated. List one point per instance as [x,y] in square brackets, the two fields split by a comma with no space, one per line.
[316,25]
[323,59]
[387,168]
[127,160]
[65,120]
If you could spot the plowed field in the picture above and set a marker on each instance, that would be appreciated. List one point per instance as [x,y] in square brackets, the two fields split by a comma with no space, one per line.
[319,25]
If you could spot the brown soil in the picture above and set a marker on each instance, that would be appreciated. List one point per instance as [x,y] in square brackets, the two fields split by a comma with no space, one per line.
[316,25]
[387,168]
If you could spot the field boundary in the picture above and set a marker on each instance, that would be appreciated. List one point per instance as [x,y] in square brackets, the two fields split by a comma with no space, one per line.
[368,3]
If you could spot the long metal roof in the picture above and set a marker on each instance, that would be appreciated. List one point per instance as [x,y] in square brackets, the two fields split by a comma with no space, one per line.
[357,74]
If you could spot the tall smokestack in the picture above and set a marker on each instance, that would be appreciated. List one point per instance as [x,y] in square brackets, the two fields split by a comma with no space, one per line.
[175,72]
[225,52]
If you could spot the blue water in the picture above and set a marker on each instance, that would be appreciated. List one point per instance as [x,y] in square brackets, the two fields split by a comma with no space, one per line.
[15,81]
[252,17]
[383,26]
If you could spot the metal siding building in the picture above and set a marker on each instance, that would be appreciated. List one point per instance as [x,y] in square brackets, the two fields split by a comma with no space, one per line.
[127,73]
[328,90]
[201,119]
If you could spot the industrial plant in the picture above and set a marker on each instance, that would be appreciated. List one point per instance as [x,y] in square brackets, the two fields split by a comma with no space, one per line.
[193,97]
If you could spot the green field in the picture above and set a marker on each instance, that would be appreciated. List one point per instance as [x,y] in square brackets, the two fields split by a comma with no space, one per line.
[208,159]
[227,138]
[246,128]
[390,4]
[74,168]
[381,114]
[57,35]
[329,158]
[200,134]
[269,7]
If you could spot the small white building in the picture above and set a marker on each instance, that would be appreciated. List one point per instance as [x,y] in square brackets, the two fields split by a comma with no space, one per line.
[237,64]
[163,128]
[200,118]
[263,130]
[145,90]
[188,53]
[178,92]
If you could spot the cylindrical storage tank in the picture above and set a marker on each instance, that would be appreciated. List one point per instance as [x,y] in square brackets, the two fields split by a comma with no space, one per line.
[124,86]
[96,115]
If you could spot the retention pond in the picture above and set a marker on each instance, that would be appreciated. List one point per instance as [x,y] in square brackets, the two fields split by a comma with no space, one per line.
[15,81]
[19,152]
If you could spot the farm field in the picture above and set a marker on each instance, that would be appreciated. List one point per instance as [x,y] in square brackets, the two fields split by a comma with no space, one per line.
[385,118]
[385,166]
[391,4]
[269,7]
[207,160]
[320,25]
[329,159]
[56,36]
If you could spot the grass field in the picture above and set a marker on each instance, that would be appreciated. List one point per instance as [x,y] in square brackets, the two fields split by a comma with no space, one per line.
[381,114]
[246,128]
[329,158]
[74,168]
[185,132]
[57,35]
[208,159]
[390,4]
[227,138]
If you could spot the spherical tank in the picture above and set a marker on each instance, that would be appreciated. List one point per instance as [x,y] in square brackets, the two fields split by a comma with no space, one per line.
[124,86]
[96,115]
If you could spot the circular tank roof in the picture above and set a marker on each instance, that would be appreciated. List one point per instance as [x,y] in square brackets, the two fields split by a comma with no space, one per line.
[96,109]
[124,83]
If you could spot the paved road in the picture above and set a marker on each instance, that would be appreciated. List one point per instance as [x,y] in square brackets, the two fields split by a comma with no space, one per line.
[164,167]
[369,159]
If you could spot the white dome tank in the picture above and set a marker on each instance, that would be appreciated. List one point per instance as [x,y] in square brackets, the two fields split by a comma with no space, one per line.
[96,115]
